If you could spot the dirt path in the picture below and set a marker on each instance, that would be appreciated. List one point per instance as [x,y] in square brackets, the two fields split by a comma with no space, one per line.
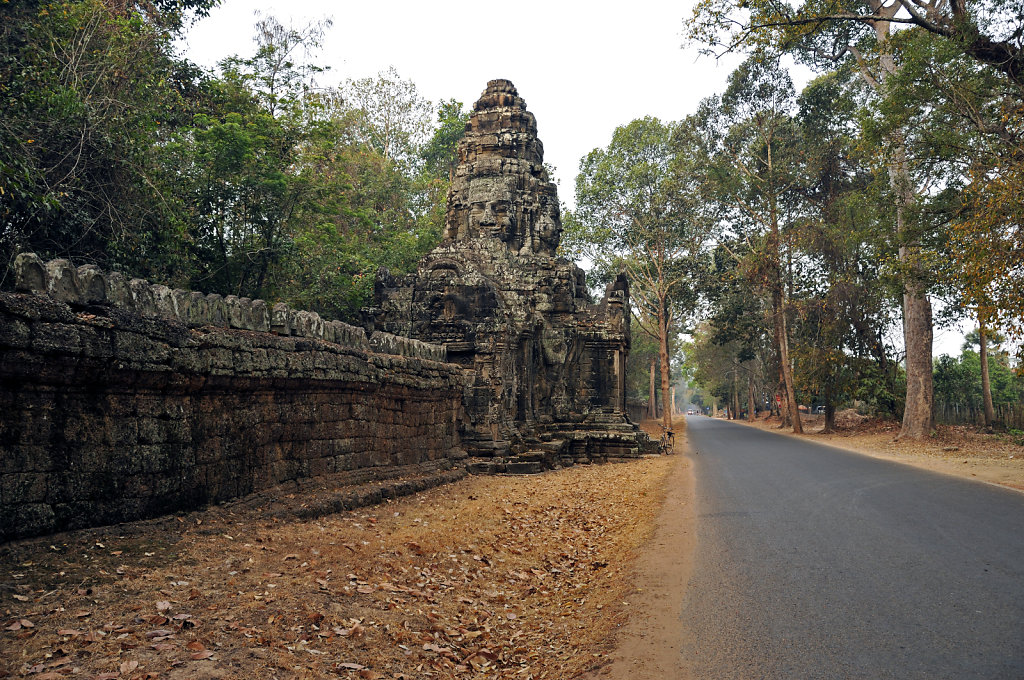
[503,577]
[648,646]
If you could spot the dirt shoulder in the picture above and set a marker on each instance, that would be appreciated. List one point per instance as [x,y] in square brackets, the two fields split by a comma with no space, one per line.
[649,645]
[961,451]
[513,577]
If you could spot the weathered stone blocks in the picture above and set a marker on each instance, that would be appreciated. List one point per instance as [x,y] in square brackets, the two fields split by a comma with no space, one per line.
[142,297]
[540,359]
[29,273]
[88,285]
[93,284]
[62,282]
[111,416]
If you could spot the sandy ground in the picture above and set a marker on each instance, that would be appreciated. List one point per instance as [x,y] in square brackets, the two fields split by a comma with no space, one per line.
[648,645]
[523,577]
[993,458]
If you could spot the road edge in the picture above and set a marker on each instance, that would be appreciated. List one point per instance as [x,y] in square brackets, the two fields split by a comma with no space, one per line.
[648,646]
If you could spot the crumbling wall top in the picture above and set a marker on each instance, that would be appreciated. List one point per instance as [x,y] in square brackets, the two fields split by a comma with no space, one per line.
[88,285]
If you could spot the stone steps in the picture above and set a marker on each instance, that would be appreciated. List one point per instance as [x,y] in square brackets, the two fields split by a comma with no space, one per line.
[528,463]
[521,467]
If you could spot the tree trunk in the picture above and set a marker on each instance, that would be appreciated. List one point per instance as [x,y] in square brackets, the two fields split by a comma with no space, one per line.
[652,402]
[918,412]
[986,385]
[917,334]
[750,399]
[782,343]
[779,311]
[666,407]
[830,409]
[917,310]
[735,398]
[729,411]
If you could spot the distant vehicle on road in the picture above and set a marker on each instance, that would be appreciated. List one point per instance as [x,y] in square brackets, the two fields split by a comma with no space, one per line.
[690,412]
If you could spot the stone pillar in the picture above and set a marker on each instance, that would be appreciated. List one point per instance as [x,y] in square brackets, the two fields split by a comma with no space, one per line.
[620,380]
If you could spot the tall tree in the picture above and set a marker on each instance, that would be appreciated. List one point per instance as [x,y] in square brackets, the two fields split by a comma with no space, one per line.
[843,314]
[990,31]
[634,214]
[439,153]
[959,379]
[89,92]
[826,36]
[394,119]
[754,172]
[239,165]
[440,158]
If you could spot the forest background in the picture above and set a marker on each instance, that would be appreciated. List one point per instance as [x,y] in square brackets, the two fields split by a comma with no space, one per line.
[786,233]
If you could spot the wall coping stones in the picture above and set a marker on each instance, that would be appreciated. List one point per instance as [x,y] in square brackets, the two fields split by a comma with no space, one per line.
[62,282]
[88,285]
[386,343]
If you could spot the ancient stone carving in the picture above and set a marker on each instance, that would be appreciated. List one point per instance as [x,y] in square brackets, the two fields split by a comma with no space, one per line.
[544,366]
[501,188]
[88,285]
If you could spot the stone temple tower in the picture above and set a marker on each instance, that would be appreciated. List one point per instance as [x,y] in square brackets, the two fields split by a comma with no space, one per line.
[501,188]
[544,366]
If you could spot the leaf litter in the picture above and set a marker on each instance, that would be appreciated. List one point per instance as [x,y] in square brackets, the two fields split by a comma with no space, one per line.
[498,577]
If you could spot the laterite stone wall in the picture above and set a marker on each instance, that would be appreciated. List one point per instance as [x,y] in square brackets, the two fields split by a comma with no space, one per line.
[107,415]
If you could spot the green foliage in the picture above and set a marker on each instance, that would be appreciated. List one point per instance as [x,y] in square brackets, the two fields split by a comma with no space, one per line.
[847,295]
[439,154]
[634,214]
[958,380]
[252,182]
[642,353]
[439,160]
[941,109]
[825,31]
[357,220]
[88,94]
[390,116]
[275,75]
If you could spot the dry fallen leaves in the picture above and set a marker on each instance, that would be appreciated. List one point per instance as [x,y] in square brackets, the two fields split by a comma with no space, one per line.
[512,577]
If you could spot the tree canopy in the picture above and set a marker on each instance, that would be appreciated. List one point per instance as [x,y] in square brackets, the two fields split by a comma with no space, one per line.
[256,180]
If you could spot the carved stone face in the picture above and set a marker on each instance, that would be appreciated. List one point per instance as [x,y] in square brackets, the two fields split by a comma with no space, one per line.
[489,199]
[547,229]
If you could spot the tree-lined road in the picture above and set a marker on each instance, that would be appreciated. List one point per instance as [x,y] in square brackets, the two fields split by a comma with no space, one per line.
[812,562]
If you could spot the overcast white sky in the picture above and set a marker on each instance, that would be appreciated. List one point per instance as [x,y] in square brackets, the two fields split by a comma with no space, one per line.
[583,68]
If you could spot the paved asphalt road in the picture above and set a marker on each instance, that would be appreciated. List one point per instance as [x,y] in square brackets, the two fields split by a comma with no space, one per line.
[812,562]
